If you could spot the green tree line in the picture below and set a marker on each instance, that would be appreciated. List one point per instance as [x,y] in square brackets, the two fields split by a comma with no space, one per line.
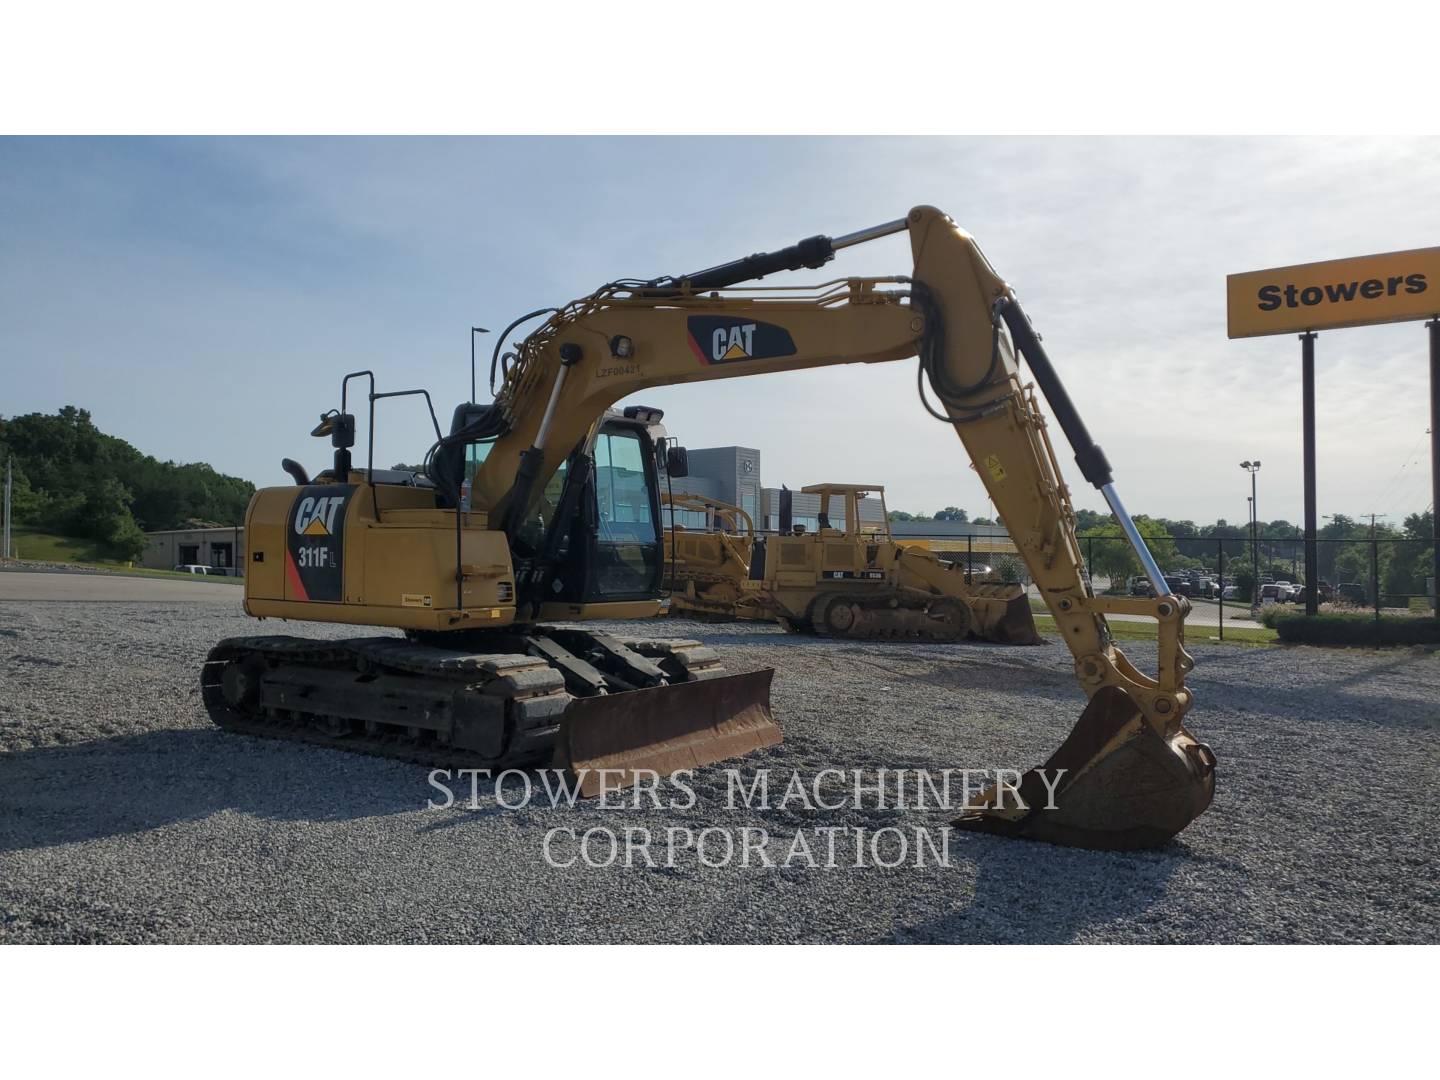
[72,479]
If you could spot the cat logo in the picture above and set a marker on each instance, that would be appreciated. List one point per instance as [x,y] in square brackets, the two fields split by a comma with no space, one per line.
[316,516]
[726,339]
[734,343]
[315,543]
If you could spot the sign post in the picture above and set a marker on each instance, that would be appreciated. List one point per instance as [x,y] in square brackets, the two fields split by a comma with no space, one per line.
[1307,423]
[1434,325]
[1398,286]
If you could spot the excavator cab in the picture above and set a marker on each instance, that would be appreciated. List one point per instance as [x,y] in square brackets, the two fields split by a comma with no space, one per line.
[594,534]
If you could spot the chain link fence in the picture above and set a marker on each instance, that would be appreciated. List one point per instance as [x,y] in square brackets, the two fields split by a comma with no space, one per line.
[1232,578]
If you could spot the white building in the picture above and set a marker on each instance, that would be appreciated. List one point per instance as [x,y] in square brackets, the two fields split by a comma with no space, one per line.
[222,547]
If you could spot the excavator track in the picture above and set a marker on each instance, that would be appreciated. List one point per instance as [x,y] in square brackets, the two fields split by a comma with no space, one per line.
[431,704]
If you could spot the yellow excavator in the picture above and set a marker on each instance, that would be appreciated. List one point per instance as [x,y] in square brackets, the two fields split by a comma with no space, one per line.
[540,511]
[853,580]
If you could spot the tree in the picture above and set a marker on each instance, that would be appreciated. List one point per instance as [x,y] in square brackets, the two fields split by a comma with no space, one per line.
[901,515]
[952,513]
[1110,554]
[69,476]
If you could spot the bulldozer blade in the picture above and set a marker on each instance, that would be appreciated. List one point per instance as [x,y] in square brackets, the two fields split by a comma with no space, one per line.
[1125,787]
[1014,625]
[664,729]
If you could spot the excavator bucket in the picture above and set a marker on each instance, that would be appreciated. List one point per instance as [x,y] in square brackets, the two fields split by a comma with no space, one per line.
[1007,621]
[1124,786]
[664,729]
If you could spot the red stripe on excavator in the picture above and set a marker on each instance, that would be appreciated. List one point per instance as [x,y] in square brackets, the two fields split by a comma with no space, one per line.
[292,575]
[695,348]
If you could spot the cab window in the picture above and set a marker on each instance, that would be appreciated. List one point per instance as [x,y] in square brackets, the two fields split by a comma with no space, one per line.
[627,536]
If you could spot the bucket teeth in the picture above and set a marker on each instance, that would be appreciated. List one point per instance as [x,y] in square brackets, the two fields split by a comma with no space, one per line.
[1115,784]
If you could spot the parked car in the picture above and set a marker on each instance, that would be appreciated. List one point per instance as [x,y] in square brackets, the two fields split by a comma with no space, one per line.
[1232,592]
[1179,586]
[220,571]
[1140,586]
[191,568]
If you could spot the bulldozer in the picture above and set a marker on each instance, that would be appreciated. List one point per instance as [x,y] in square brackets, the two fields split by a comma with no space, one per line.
[706,568]
[538,512]
[854,580]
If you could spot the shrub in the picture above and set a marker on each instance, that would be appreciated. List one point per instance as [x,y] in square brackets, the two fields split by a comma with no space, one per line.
[1334,628]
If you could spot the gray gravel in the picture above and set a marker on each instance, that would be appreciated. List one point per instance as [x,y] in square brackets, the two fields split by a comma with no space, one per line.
[124,816]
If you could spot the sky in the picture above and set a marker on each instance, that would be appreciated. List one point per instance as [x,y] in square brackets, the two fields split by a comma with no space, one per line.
[203,297]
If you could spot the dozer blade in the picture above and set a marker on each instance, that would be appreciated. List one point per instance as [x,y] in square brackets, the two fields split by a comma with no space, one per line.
[664,729]
[1008,622]
[1124,788]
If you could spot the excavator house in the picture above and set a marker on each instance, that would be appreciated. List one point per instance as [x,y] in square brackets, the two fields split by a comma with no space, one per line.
[539,512]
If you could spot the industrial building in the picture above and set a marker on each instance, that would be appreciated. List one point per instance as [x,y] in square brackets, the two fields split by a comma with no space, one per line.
[223,548]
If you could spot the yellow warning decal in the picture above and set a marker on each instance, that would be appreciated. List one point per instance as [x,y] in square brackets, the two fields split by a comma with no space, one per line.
[411,599]
[993,466]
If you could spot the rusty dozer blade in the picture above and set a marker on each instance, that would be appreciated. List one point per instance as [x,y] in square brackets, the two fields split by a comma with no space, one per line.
[1125,787]
[1008,622]
[664,729]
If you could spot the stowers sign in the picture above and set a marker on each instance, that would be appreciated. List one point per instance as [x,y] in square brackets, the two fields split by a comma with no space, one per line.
[1344,292]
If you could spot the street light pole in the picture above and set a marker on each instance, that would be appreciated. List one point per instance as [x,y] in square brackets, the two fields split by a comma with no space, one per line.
[8,462]
[1253,467]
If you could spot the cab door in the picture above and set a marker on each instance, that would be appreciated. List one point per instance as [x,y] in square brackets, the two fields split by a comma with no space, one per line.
[625,546]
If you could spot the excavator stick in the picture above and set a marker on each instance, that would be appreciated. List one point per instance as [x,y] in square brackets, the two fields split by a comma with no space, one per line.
[610,741]
[1115,784]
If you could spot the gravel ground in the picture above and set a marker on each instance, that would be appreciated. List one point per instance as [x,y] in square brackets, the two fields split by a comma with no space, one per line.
[125,817]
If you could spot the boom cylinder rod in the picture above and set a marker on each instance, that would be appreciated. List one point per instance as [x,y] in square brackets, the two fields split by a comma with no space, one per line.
[1092,461]
[1137,542]
[812,252]
[545,421]
[872,233]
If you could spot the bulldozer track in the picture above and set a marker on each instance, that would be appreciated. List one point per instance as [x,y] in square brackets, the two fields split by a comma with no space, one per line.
[870,617]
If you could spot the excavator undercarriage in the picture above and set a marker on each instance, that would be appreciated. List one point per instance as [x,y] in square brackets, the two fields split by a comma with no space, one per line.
[560,696]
